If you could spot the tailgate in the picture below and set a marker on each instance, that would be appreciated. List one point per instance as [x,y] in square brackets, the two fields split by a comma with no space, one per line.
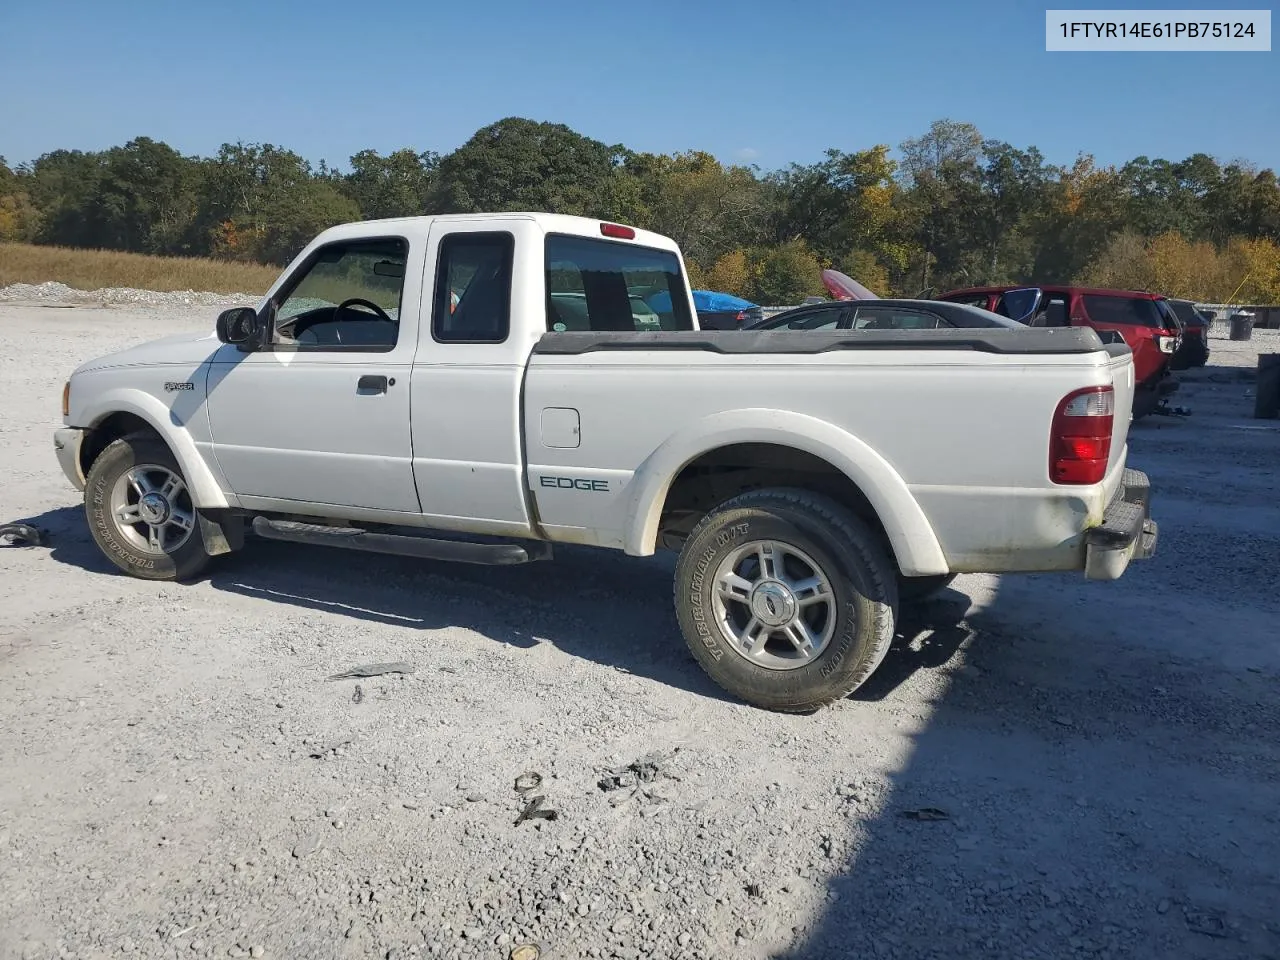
[1122,380]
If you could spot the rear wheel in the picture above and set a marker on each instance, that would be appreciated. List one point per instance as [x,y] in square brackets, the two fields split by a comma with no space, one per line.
[786,599]
[140,511]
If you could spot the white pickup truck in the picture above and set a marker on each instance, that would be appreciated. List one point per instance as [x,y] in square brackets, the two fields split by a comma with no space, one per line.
[482,387]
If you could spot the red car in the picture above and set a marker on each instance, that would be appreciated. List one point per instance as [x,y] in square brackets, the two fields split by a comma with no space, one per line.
[1146,321]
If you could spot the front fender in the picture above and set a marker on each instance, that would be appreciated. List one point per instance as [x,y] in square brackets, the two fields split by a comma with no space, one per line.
[914,543]
[206,487]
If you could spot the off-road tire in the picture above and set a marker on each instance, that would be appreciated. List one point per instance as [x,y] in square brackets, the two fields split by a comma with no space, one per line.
[118,458]
[862,580]
[920,589]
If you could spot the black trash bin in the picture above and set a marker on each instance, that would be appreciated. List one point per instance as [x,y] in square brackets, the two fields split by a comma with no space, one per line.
[1266,404]
[1242,326]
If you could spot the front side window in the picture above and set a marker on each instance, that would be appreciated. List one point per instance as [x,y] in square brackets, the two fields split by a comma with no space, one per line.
[603,285]
[347,298]
[473,288]
[894,318]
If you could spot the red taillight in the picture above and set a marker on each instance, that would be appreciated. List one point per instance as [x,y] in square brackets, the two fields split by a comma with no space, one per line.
[618,230]
[1080,441]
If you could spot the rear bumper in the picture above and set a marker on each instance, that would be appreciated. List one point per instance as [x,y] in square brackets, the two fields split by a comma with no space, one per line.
[1127,532]
[66,443]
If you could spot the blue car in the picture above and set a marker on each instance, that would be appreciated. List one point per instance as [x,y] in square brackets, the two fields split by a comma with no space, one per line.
[716,311]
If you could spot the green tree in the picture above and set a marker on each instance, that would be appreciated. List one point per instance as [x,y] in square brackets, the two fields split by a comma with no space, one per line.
[1085,210]
[1014,197]
[261,202]
[145,199]
[1243,202]
[519,164]
[62,186]
[784,274]
[941,169]
[397,185]
[844,203]
[706,207]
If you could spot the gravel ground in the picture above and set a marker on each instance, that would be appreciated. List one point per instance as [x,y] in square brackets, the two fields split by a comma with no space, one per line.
[181,779]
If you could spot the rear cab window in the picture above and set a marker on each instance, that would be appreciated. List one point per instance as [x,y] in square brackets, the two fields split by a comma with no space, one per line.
[473,288]
[1122,311]
[606,285]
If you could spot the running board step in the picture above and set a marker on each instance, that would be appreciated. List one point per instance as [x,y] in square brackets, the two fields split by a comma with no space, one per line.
[495,553]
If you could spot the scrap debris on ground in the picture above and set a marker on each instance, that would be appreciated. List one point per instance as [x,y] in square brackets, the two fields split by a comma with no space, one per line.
[374,670]
[646,769]
[21,535]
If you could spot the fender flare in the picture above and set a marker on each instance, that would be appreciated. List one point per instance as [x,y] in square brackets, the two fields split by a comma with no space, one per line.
[910,534]
[206,491]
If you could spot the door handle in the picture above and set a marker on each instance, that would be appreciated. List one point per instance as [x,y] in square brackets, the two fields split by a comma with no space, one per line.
[371,383]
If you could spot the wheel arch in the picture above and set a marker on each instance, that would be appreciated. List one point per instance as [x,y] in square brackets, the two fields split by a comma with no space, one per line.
[123,413]
[883,495]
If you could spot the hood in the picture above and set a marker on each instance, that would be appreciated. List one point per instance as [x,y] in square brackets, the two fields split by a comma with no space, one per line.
[193,347]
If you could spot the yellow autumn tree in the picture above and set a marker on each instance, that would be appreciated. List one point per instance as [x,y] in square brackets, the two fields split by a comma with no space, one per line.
[1256,265]
[1245,271]
[19,219]
[730,274]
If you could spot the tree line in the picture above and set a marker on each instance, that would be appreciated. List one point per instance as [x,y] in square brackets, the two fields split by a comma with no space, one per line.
[956,209]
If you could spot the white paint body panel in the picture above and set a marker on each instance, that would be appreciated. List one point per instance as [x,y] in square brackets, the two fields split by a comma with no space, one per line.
[950,447]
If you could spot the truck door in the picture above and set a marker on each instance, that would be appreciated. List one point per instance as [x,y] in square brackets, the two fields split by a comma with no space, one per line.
[320,415]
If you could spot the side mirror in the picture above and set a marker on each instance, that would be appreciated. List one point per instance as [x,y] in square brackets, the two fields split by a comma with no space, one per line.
[239,325]
[1022,304]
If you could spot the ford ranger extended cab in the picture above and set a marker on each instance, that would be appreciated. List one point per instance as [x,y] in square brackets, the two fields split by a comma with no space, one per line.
[481,388]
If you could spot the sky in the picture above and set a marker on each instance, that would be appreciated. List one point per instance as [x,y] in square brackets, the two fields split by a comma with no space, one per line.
[749,81]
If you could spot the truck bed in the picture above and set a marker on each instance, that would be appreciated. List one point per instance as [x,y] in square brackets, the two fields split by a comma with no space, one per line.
[945,431]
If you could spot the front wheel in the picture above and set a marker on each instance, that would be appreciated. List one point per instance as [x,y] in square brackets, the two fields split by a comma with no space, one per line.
[140,511]
[786,599]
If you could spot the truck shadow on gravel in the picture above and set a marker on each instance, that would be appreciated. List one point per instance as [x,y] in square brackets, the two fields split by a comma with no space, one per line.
[1064,798]
[594,604]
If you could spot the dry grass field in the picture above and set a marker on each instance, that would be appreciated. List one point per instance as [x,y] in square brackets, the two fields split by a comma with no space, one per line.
[96,269]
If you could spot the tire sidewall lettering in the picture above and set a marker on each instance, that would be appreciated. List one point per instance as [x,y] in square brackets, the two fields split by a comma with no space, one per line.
[105,531]
[697,606]
[832,661]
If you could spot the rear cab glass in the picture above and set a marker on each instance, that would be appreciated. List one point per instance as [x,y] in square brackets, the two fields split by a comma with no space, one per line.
[606,285]
[1123,311]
